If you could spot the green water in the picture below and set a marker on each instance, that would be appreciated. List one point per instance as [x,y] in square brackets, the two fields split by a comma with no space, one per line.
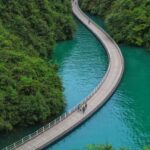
[125,119]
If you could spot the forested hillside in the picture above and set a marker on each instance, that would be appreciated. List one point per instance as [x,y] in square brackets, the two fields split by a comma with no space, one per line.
[30,89]
[127,21]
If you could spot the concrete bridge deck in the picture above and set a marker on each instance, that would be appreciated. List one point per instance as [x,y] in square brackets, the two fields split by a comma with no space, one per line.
[67,122]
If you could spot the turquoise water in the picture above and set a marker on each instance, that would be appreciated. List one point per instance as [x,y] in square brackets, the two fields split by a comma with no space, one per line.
[125,120]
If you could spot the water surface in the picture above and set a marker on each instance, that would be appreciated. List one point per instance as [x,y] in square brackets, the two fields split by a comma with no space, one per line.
[125,120]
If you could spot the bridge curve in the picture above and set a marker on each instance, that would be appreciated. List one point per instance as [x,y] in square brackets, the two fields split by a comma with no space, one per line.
[70,120]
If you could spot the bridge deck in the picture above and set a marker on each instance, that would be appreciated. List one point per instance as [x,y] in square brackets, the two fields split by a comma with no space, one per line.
[100,96]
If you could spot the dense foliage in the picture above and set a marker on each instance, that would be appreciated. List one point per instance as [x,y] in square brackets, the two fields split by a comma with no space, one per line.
[30,89]
[108,147]
[127,20]
[38,24]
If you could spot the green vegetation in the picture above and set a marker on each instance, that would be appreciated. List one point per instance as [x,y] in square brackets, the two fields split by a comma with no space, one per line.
[127,21]
[30,89]
[38,24]
[108,147]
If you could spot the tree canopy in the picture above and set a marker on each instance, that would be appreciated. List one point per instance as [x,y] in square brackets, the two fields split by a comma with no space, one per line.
[30,89]
[127,21]
[37,23]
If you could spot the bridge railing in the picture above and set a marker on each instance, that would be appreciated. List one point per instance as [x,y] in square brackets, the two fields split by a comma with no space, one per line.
[91,21]
[66,114]
[49,125]
[54,122]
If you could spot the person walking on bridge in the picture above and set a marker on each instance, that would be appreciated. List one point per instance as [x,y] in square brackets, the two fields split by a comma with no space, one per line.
[84,107]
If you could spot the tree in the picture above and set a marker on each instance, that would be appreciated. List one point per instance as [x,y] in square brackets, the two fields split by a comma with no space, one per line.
[30,90]
[127,21]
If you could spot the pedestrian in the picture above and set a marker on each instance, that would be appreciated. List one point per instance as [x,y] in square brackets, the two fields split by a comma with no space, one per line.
[83,109]
[80,109]
[89,21]
[79,106]
[85,105]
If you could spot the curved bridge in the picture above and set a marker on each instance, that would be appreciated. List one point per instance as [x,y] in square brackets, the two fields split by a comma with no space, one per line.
[70,120]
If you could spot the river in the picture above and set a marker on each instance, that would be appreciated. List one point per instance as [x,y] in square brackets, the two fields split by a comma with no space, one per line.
[124,121]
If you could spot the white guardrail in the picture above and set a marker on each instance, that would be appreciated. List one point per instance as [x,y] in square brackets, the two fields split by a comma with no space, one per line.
[66,114]
[54,122]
